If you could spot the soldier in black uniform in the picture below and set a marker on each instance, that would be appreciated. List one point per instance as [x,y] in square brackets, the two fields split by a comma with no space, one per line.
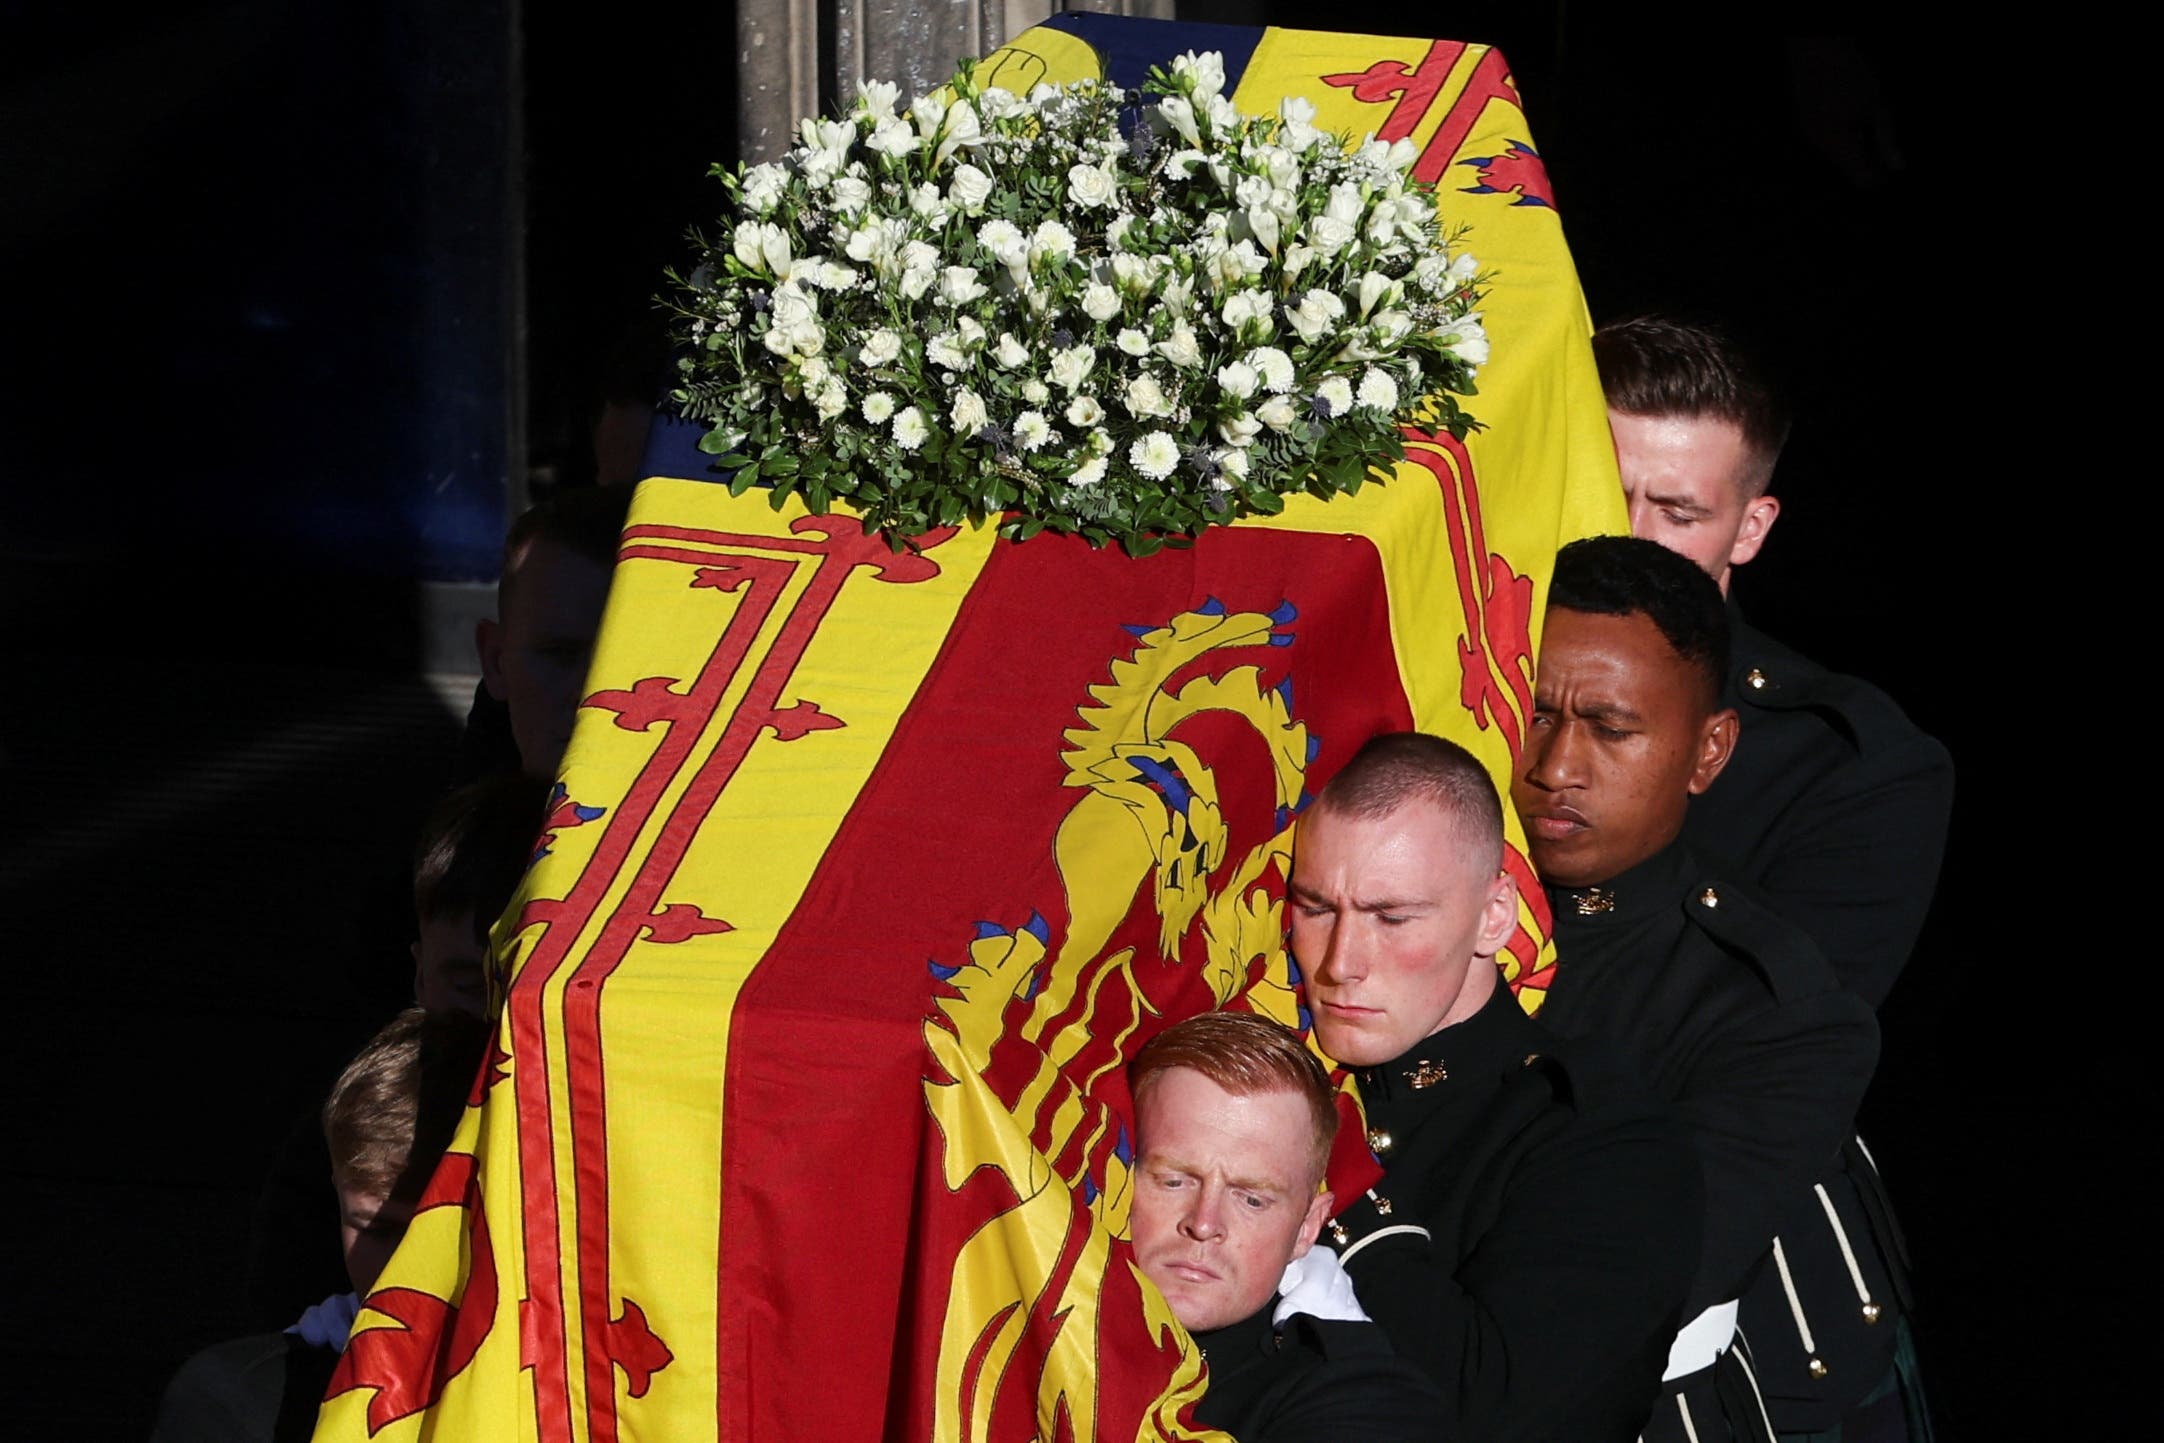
[1834,806]
[1726,1009]
[1233,1123]
[1537,1225]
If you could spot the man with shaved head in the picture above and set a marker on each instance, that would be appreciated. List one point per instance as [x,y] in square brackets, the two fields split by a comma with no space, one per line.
[1530,1242]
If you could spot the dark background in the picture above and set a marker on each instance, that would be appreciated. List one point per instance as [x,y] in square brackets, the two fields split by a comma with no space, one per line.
[299,304]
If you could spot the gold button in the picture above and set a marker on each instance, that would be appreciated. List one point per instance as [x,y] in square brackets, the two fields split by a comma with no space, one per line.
[1755,679]
[1530,1059]
[1818,1368]
[1338,1234]
[1870,1312]
[1379,1140]
[1709,898]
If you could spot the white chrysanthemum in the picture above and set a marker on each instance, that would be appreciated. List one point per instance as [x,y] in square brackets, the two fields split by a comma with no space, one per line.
[1089,473]
[968,189]
[967,413]
[1004,240]
[1273,366]
[1155,455]
[1336,393]
[1071,366]
[1051,241]
[1032,430]
[1036,392]
[910,430]
[1084,411]
[1377,391]
[880,347]
[877,407]
[1145,398]
[1133,342]
[1092,187]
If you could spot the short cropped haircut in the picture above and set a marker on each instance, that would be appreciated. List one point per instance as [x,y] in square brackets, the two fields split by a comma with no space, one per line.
[475,848]
[1623,576]
[397,1104]
[1656,365]
[1245,1054]
[587,521]
[1395,768]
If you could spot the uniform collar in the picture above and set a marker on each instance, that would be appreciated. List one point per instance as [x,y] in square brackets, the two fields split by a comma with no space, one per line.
[1485,1045]
[1652,886]
[1252,1336]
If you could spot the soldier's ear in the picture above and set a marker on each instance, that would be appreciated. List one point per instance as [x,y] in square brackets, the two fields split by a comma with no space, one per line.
[1318,1213]
[1758,518]
[488,647]
[1716,744]
[1498,915]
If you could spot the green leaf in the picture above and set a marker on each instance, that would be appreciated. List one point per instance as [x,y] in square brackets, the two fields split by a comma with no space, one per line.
[744,479]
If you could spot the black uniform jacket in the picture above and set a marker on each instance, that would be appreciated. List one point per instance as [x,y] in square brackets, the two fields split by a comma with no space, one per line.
[1834,808]
[1731,1014]
[1533,1236]
[1311,1382]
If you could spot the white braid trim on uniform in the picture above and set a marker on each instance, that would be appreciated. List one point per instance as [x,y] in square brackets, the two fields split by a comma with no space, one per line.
[1750,1375]
[1840,1235]
[1795,1304]
[1683,1411]
[1391,1231]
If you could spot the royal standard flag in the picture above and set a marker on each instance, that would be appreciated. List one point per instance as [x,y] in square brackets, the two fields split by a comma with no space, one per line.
[869,870]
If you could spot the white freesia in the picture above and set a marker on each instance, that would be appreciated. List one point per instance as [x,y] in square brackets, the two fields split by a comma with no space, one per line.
[1155,455]
[1084,411]
[1240,430]
[876,99]
[1235,462]
[962,128]
[1278,413]
[1032,431]
[1182,347]
[1203,73]
[928,204]
[764,186]
[1247,315]
[959,285]
[1238,379]
[892,138]
[1176,115]
[1466,339]
[1375,288]
[1010,352]
[1145,399]
[910,428]
[877,407]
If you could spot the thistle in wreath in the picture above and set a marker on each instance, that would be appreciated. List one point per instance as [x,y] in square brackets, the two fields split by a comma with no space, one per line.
[1121,315]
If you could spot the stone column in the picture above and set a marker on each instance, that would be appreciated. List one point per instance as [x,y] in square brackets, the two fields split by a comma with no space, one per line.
[803,57]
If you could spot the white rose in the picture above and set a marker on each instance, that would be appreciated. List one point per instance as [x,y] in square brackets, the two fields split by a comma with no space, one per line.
[969,188]
[830,400]
[1036,392]
[1377,391]
[1247,314]
[1084,411]
[1316,314]
[1071,367]
[1091,187]
[1278,413]
[910,430]
[925,200]
[877,407]
[1010,352]
[1032,431]
[1116,233]
[967,413]
[1328,235]
[1145,398]
[1155,455]
[851,195]
[1100,302]
[880,347]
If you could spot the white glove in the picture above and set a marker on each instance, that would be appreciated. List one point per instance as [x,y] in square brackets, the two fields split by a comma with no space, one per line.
[1318,1285]
[326,1324]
